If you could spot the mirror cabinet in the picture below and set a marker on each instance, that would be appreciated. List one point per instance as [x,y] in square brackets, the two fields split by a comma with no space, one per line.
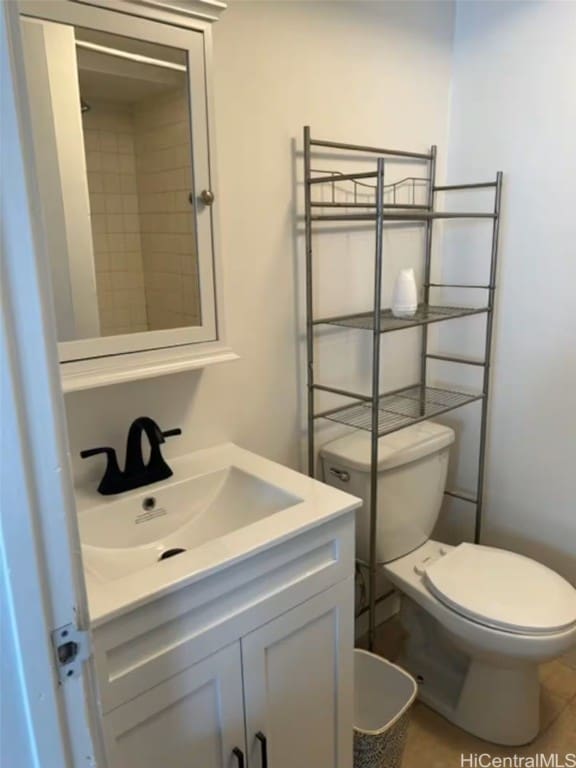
[122,127]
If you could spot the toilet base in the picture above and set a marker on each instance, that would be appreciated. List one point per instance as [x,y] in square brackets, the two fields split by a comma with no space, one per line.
[499,705]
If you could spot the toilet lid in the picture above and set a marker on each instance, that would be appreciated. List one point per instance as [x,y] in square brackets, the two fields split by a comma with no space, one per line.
[503,590]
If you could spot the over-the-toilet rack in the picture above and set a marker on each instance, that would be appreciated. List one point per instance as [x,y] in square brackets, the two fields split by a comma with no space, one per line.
[381,413]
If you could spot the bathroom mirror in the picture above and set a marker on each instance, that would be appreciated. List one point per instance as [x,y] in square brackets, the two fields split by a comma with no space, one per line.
[120,129]
[135,109]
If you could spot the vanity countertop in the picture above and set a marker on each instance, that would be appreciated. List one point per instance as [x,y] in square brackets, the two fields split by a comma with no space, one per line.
[119,578]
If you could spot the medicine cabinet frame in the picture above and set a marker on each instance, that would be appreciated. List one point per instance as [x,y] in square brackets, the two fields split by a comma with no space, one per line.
[93,362]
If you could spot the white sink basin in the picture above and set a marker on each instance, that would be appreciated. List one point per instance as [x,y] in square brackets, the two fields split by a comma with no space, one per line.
[222,505]
[137,530]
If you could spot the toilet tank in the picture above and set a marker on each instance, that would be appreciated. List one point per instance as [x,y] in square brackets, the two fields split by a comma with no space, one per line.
[412,468]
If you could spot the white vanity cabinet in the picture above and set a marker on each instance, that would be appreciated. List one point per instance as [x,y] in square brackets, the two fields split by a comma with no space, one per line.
[251,666]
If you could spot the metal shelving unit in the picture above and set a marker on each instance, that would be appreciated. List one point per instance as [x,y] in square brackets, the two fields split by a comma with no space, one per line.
[371,200]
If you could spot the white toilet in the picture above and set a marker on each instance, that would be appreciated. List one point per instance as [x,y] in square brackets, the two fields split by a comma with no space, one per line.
[479,619]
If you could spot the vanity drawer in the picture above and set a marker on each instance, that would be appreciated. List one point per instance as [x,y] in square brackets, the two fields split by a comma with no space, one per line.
[156,641]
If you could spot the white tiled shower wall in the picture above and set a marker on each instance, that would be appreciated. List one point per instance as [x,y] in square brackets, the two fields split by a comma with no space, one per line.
[140,178]
[164,173]
[110,161]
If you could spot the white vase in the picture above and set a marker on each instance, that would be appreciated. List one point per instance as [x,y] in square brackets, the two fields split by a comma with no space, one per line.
[405,296]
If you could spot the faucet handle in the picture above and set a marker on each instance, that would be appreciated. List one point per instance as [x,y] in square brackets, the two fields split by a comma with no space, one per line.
[95,451]
[172,432]
[111,481]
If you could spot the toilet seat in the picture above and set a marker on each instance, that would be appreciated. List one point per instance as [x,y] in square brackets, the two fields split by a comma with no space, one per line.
[502,589]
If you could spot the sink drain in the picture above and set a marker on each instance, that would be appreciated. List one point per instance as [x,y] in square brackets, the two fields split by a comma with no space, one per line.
[171,552]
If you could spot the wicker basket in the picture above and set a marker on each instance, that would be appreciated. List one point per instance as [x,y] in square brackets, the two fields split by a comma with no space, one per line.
[383,696]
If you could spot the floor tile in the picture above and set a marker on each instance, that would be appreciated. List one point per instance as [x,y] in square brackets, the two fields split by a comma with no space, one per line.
[559,679]
[433,742]
[561,736]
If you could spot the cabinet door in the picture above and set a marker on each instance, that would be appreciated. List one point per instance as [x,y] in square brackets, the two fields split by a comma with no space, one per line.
[192,720]
[298,684]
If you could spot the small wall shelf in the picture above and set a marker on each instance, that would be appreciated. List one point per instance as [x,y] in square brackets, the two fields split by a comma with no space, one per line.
[334,196]
[120,369]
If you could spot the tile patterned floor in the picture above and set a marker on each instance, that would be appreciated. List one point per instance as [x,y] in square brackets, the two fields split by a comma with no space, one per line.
[433,742]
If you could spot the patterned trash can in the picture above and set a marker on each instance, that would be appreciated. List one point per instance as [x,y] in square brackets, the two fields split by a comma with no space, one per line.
[383,695]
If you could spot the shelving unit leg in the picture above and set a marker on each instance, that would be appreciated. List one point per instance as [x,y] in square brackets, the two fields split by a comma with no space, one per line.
[309,302]
[375,402]
[427,273]
[487,361]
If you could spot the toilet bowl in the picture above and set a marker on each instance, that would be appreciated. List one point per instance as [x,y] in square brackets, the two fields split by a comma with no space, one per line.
[481,671]
[479,620]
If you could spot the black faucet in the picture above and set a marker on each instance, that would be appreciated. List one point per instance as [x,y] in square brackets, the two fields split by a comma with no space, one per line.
[136,472]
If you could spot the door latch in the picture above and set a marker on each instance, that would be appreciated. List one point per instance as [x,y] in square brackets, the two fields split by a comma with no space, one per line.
[71,648]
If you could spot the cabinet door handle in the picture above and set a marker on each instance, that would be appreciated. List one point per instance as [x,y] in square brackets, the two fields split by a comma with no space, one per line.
[239,755]
[263,749]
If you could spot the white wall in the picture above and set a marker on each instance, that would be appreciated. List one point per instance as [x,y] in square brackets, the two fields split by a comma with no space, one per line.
[374,73]
[514,108]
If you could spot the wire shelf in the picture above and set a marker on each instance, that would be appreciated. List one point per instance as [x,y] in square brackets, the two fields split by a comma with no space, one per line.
[401,409]
[403,215]
[355,191]
[425,314]
[352,197]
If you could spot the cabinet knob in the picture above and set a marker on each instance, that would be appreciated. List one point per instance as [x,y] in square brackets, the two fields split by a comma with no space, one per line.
[263,749]
[239,755]
[207,196]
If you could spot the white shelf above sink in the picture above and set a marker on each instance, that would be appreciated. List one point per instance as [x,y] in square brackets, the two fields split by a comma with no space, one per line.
[104,371]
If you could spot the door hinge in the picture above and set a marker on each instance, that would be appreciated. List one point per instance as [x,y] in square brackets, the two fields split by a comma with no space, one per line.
[72,648]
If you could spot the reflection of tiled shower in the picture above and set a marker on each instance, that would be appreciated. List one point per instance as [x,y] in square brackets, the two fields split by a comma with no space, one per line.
[111,165]
[139,179]
[164,173]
